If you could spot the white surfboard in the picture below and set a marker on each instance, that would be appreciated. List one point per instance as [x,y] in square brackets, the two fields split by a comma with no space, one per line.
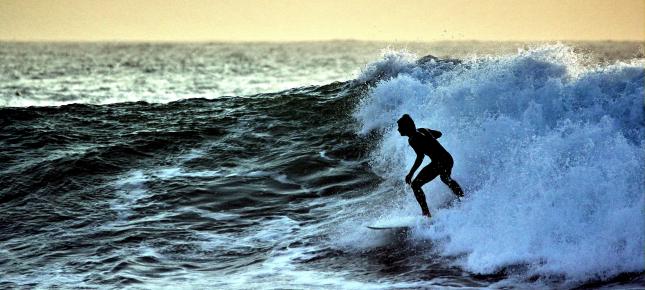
[400,228]
[399,223]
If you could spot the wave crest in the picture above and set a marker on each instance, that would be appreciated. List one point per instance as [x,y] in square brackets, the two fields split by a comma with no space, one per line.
[549,149]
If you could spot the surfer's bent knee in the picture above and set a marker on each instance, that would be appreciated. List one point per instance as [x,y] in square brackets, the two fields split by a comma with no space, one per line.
[416,184]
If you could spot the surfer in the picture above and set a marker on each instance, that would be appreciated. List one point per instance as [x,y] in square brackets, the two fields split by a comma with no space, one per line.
[424,142]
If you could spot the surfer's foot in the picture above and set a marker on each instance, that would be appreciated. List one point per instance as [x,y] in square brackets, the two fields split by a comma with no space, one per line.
[426,214]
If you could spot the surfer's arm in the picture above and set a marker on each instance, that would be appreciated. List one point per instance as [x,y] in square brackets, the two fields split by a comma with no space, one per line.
[415,166]
[435,134]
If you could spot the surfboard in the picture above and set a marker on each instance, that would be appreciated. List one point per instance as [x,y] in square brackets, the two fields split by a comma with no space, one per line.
[400,228]
[399,223]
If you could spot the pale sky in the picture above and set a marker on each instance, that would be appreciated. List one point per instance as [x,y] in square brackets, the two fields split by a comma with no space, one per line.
[298,20]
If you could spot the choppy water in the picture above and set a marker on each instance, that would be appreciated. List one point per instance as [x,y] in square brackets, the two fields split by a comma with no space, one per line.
[258,166]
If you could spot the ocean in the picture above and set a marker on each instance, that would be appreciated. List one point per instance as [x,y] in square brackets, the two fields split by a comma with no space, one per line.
[260,165]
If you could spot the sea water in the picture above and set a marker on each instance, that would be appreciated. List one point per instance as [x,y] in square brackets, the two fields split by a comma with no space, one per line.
[246,166]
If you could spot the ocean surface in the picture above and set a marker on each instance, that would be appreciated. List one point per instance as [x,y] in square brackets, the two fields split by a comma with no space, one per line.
[260,165]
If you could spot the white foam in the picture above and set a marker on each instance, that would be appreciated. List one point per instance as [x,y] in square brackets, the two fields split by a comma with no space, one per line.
[400,221]
[323,155]
[172,172]
[193,154]
[283,267]
[392,63]
[132,188]
[550,153]
[258,173]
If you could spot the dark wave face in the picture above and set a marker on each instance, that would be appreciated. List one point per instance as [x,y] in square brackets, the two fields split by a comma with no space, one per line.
[97,185]
[275,190]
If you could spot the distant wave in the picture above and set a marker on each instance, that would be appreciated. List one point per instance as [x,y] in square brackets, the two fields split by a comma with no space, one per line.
[54,74]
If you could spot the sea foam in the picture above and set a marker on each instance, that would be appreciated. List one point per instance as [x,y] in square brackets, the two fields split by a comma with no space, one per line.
[550,152]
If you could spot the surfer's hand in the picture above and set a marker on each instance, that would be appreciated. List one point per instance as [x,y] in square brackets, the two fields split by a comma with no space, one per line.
[408,179]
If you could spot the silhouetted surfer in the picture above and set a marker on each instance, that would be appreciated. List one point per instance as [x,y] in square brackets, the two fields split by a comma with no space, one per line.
[424,142]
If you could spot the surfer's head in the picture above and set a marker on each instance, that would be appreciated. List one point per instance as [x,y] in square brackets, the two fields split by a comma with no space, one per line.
[406,125]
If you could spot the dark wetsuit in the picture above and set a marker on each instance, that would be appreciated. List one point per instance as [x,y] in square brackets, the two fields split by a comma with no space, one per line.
[424,142]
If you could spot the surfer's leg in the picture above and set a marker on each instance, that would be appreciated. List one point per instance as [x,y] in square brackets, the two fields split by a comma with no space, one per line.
[426,174]
[454,186]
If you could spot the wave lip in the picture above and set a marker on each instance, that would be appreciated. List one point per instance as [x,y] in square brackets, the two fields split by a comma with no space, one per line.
[549,148]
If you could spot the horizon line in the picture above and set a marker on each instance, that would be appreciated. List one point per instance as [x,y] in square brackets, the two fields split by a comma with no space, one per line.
[642,41]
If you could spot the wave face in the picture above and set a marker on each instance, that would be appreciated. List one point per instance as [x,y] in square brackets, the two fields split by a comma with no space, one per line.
[235,192]
[550,152]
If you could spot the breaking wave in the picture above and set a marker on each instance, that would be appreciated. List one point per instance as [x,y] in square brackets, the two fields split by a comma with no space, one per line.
[549,150]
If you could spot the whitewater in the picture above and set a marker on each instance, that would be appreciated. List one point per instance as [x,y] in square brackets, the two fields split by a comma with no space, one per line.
[260,165]
[550,151]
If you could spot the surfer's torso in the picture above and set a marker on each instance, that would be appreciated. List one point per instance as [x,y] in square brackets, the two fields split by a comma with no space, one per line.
[423,142]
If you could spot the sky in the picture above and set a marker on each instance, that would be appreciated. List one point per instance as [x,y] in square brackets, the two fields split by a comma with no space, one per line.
[305,20]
